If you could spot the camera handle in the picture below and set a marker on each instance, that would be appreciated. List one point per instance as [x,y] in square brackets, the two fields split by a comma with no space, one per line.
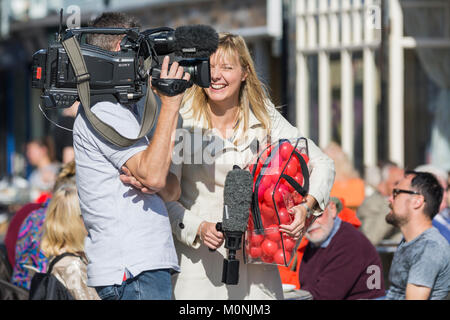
[171,87]
[73,50]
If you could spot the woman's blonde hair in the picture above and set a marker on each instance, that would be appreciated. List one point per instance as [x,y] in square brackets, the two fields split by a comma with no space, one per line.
[66,175]
[253,93]
[63,229]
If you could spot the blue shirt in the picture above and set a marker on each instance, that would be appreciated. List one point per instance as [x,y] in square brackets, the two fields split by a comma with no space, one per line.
[128,231]
[441,222]
[336,225]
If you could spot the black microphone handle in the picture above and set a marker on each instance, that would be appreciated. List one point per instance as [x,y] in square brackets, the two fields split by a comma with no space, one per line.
[218,228]
[230,270]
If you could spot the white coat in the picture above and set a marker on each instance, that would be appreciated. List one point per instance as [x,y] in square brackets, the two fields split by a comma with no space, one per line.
[201,167]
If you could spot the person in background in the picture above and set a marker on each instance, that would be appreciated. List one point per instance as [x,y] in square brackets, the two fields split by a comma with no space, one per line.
[420,269]
[28,258]
[14,227]
[373,210]
[441,221]
[339,262]
[348,185]
[64,232]
[40,154]
[290,274]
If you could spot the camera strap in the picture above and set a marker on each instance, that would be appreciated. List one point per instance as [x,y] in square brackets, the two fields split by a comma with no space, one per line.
[73,50]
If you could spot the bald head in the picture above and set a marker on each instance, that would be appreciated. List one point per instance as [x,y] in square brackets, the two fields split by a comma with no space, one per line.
[391,175]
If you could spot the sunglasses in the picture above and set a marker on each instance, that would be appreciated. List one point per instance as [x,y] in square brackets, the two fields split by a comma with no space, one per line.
[396,192]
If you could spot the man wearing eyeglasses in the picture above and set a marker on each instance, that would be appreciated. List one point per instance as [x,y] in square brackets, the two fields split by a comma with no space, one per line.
[420,268]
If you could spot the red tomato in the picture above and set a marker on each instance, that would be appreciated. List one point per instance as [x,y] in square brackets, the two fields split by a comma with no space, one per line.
[269,221]
[285,216]
[276,172]
[255,252]
[256,239]
[266,181]
[267,211]
[268,194]
[291,169]
[288,242]
[299,178]
[285,150]
[279,256]
[261,190]
[280,192]
[295,163]
[269,247]
[273,233]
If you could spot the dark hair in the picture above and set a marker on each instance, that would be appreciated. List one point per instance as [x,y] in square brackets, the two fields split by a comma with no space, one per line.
[428,186]
[48,143]
[110,20]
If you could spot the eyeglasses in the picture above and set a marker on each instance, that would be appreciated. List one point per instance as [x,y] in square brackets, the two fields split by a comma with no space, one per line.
[396,192]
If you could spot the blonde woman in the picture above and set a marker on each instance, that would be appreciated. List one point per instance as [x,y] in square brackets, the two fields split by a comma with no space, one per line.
[64,232]
[220,126]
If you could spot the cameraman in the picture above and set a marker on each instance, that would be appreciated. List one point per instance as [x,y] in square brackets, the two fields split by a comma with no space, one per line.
[129,244]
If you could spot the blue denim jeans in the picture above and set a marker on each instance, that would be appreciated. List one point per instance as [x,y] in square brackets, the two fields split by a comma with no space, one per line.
[148,285]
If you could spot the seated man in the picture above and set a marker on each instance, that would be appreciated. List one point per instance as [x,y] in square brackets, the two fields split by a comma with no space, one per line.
[421,265]
[339,261]
[376,206]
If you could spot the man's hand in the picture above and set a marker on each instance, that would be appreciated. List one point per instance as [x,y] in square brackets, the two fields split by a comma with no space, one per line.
[127,178]
[171,191]
[175,72]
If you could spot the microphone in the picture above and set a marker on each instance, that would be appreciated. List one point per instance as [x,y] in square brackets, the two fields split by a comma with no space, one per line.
[195,41]
[237,198]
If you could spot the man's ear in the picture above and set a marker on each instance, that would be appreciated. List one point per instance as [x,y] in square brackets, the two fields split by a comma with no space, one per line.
[332,209]
[117,48]
[418,201]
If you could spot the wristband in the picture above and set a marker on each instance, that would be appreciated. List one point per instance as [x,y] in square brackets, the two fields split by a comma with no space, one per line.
[309,211]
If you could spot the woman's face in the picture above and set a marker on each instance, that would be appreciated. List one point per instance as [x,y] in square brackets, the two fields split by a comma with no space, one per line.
[227,76]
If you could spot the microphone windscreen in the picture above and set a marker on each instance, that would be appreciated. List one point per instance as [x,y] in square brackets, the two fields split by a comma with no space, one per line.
[196,41]
[237,198]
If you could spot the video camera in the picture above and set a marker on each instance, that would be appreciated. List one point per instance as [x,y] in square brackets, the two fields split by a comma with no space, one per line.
[122,76]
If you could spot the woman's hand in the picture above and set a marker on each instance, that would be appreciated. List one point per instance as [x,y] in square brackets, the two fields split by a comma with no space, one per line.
[208,234]
[296,228]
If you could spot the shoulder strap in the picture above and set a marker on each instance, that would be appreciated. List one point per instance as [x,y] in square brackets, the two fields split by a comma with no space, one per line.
[58,258]
[73,50]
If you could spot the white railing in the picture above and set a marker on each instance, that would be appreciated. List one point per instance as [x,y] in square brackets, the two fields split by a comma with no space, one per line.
[342,26]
